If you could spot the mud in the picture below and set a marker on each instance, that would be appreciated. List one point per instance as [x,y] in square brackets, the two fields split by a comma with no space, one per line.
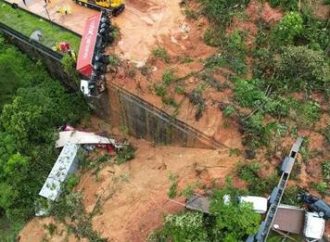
[142,25]
[133,196]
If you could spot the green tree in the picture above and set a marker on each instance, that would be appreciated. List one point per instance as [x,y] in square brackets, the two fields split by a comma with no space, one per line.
[186,227]
[234,221]
[302,68]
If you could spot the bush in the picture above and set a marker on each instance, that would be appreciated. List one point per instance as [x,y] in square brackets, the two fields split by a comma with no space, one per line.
[172,191]
[125,154]
[291,195]
[249,93]
[288,28]
[288,5]
[185,227]
[220,12]
[161,53]
[168,77]
[326,169]
[254,131]
[305,114]
[321,187]
[256,184]
[302,68]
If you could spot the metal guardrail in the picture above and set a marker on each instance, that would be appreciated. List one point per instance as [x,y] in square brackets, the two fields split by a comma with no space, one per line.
[276,196]
[35,44]
[43,18]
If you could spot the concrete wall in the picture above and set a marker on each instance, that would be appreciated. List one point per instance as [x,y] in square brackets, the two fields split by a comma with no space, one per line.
[143,120]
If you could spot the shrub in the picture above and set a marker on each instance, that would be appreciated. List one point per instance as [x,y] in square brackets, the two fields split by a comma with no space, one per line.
[303,68]
[306,114]
[172,191]
[213,37]
[326,169]
[71,182]
[291,195]
[69,65]
[229,111]
[254,131]
[160,90]
[168,77]
[321,187]
[249,93]
[256,184]
[161,53]
[288,28]
[125,154]
[249,172]
[220,12]
[185,227]
[288,5]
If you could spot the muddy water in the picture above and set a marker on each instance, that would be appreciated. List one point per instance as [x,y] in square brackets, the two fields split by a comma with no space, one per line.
[142,24]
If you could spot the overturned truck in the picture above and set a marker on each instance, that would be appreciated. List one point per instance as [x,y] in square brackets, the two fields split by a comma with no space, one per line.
[92,62]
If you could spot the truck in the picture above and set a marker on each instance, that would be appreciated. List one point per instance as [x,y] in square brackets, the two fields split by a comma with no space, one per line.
[116,7]
[91,61]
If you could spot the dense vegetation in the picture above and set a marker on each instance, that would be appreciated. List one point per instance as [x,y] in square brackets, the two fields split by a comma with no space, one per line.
[28,123]
[279,76]
[223,225]
[27,23]
[288,57]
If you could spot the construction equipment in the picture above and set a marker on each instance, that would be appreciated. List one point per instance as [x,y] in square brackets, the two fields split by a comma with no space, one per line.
[115,7]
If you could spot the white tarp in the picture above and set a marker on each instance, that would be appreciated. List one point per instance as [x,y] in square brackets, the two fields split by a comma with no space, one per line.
[79,137]
[66,163]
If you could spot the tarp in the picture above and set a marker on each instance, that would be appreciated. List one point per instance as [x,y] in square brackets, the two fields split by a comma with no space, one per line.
[87,45]
[79,137]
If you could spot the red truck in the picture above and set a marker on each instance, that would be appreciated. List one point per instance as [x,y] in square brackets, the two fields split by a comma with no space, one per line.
[87,46]
[91,63]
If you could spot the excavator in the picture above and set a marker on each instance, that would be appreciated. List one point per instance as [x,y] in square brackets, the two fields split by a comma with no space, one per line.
[116,7]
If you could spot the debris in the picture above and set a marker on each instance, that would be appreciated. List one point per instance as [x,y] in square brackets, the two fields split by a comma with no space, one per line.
[79,137]
[36,35]
[66,164]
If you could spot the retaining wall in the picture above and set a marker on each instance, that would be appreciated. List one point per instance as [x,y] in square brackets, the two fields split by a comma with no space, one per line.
[144,120]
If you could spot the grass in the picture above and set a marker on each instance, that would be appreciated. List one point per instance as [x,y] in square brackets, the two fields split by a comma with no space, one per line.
[26,24]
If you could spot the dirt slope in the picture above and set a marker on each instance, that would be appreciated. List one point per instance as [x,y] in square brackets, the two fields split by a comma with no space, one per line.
[133,196]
